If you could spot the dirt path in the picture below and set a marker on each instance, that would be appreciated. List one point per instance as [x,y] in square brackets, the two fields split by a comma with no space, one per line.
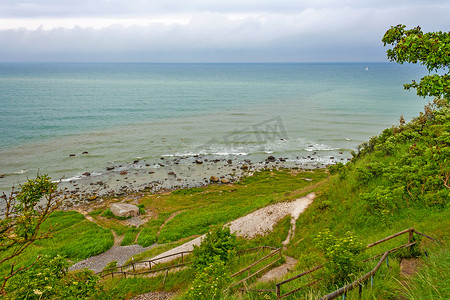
[408,268]
[279,271]
[85,214]
[154,296]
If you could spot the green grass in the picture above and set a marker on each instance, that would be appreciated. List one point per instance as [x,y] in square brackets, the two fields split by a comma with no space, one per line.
[130,236]
[432,280]
[127,288]
[109,215]
[157,250]
[201,208]
[73,237]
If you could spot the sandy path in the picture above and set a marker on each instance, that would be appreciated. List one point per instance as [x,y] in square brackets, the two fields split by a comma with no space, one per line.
[262,221]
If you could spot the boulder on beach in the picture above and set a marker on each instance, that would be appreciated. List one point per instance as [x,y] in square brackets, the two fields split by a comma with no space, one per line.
[86,174]
[92,197]
[124,210]
[225,180]
[271,159]
[214,179]
[198,161]
[123,172]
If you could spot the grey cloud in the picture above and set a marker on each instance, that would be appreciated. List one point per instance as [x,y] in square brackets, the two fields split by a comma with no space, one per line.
[117,8]
[312,34]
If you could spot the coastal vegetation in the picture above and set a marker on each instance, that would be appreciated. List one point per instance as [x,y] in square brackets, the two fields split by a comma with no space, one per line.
[397,180]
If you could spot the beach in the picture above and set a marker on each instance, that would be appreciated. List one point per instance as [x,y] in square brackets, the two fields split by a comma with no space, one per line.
[169,174]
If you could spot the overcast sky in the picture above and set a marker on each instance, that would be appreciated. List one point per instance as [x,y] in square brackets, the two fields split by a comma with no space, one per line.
[208,30]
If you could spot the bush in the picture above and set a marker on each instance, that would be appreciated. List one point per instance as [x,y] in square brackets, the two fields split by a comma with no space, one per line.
[342,255]
[218,244]
[48,279]
[210,281]
[111,265]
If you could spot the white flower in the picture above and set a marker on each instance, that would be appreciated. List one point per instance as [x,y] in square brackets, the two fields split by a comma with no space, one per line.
[37,292]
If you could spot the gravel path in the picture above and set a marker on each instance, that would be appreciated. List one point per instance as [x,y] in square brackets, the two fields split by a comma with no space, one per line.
[120,253]
[154,296]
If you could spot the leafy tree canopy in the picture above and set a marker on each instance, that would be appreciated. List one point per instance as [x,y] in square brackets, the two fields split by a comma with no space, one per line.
[431,49]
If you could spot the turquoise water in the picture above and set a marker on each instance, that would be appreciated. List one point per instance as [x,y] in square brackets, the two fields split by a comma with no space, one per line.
[120,112]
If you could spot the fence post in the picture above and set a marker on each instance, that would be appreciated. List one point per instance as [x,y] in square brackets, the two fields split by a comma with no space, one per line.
[165,275]
[360,290]
[371,281]
[278,291]
[411,235]
[134,270]
[182,260]
[387,261]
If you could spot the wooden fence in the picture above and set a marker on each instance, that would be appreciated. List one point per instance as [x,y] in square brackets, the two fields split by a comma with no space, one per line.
[358,282]
[274,251]
[148,265]
[126,269]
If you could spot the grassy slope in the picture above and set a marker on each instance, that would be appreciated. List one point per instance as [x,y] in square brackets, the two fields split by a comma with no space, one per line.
[72,236]
[397,181]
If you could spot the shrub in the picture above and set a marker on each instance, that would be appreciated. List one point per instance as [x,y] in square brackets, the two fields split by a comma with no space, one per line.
[219,244]
[209,282]
[342,255]
[48,279]
[112,264]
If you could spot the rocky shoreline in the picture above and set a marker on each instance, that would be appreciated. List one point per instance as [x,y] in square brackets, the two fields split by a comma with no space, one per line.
[168,174]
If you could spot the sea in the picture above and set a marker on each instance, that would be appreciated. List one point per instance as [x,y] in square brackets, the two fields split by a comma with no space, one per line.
[65,119]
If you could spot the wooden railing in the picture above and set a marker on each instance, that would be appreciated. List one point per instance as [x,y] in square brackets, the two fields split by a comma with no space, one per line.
[148,265]
[345,289]
[274,251]
[125,269]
